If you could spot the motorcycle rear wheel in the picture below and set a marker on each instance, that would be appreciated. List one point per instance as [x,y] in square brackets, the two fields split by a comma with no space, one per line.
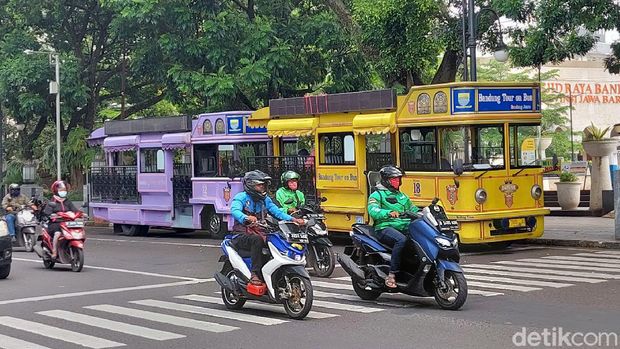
[231,300]
[77,262]
[48,263]
[302,288]
[456,295]
[367,295]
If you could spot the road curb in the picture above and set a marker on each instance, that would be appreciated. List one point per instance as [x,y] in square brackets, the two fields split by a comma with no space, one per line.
[576,243]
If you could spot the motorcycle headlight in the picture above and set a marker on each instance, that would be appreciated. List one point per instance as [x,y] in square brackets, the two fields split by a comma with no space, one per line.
[536,191]
[481,196]
[443,242]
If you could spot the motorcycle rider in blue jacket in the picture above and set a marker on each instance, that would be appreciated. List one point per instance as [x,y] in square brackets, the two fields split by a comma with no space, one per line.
[248,207]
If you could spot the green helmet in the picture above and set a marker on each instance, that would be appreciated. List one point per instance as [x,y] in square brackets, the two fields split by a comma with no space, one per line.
[287,176]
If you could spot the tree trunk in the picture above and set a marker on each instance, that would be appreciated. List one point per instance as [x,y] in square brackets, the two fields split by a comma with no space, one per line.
[448,68]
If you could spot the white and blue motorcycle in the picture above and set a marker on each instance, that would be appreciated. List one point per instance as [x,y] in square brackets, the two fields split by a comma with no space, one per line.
[287,281]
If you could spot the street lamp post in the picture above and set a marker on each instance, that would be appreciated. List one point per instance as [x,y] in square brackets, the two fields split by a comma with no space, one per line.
[54,58]
[500,53]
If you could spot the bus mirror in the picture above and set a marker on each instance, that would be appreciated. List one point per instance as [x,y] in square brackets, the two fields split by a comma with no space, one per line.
[457,167]
[323,199]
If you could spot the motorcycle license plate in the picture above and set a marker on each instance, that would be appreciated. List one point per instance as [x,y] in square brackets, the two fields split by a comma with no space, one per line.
[298,237]
[75,224]
[445,225]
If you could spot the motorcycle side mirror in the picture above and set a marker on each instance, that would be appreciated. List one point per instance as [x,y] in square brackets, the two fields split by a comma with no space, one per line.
[458,167]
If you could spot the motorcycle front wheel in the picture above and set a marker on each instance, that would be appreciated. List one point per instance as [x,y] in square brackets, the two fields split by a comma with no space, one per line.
[28,242]
[455,294]
[77,262]
[322,260]
[299,302]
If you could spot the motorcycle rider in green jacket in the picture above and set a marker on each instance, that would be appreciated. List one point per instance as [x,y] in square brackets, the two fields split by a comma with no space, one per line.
[289,197]
[385,205]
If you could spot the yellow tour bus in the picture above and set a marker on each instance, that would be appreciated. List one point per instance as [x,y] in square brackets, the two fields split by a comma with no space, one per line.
[471,144]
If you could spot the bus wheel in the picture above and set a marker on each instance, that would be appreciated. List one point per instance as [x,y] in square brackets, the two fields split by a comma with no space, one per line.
[216,227]
[131,230]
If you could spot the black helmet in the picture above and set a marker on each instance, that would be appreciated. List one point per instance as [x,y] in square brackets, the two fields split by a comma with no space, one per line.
[388,172]
[251,179]
[14,189]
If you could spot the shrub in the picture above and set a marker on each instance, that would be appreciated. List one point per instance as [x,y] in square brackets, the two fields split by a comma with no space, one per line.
[568,177]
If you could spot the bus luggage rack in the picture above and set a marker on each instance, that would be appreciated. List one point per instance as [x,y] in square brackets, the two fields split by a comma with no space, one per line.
[274,166]
[116,184]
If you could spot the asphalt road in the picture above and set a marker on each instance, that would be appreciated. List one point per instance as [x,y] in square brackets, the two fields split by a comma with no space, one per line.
[158,292]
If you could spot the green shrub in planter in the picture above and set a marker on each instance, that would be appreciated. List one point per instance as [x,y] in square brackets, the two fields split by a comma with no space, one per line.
[568,177]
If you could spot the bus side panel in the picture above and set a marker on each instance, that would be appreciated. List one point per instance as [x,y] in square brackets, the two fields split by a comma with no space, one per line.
[344,187]
[457,194]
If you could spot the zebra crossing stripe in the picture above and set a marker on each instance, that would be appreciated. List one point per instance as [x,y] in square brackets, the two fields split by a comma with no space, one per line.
[58,333]
[516,281]
[590,265]
[117,326]
[600,260]
[259,306]
[597,256]
[209,312]
[7,342]
[163,318]
[332,285]
[531,275]
[553,265]
[474,292]
[347,307]
[394,303]
[502,286]
[609,252]
[545,271]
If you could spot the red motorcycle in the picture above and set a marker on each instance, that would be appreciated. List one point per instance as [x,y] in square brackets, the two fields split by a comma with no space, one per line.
[70,243]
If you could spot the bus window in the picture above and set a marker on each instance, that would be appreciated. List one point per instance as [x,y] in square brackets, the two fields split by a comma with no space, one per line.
[124,158]
[151,160]
[302,146]
[225,160]
[480,147]
[337,149]
[523,149]
[205,160]
[418,150]
[378,151]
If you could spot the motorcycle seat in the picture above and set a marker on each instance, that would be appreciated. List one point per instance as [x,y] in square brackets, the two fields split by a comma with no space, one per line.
[369,231]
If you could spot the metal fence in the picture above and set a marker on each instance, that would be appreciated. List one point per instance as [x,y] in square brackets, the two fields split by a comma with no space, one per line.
[182,184]
[374,161]
[114,184]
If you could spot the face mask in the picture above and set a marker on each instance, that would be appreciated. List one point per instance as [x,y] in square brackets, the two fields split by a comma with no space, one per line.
[292,185]
[395,182]
[62,194]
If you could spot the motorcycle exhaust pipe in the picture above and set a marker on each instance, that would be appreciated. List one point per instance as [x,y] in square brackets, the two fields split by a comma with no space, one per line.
[350,267]
[224,282]
[39,250]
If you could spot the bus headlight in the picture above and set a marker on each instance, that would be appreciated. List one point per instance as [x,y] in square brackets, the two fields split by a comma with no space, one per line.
[481,196]
[536,191]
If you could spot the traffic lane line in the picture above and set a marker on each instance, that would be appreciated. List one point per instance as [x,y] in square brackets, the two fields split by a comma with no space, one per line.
[156,242]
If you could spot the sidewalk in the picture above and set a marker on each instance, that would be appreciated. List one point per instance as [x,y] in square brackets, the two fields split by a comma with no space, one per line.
[578,232]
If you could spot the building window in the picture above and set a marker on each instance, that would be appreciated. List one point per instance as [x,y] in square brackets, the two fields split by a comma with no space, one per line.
[337,149]
[207,127]
[152,161]
[418,149]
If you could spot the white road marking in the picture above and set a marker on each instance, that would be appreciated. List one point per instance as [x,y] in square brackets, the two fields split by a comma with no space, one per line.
[7,342]
[347,307]
[254,305]
[601,260]
[545,271]
[530,275]
[597,256]
[209,312]
[609,252]
[156,242]
[117,326]
[503,286]
[104,291]
[145,273]
[332,285]
[553,265]
[587,265]
[163,318]
[58,333]
[342,278]
[516,281]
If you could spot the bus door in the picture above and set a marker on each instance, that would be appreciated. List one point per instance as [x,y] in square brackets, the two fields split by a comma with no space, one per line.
[182,184]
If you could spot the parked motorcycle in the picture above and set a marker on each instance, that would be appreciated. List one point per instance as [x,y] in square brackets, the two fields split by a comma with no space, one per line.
[70,244]
[320,257]
[26,227]
[429,265]
[286,280]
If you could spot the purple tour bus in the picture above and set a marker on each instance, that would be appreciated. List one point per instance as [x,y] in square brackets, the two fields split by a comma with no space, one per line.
[174,172]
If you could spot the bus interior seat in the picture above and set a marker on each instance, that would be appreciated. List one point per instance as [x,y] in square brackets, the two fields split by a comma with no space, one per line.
[374,178]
